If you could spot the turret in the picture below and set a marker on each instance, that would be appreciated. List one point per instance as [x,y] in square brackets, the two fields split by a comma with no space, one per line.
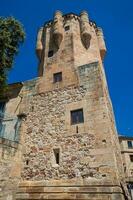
[58,28]
[101,42]
[39,44]
[85,29]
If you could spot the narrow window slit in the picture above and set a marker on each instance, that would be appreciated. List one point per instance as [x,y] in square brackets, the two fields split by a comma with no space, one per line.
[27,162]
[50,53]
[77,129]
[32,108]
[57,156]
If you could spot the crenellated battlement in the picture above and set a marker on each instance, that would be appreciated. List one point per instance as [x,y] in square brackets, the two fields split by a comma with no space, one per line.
[69,16]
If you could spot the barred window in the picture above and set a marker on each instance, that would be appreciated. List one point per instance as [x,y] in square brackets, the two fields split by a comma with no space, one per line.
[77,116]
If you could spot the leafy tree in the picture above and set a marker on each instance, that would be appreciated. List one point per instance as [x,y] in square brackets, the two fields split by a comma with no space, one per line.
[11,36]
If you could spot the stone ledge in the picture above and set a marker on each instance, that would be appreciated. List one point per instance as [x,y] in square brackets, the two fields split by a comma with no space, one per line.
[67,190]
[70,183]
[63,196]
[38,189]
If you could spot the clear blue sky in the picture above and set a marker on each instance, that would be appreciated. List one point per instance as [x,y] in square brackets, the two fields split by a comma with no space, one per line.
[116,19]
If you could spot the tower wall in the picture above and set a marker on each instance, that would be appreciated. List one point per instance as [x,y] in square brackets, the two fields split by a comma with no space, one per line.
[62,159]
[89,152]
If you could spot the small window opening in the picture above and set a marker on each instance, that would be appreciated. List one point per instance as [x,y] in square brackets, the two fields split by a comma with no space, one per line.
[131,173]
[77,129]
[104,175]
[130,144]
[32,108]
[131,158]
[67,28]
[77,116]
[57,77]
[50,53]
[104,141]
[27,162]
[57,155]
[124,165]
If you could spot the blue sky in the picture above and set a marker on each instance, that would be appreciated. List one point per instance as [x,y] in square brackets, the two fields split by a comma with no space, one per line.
[116,19]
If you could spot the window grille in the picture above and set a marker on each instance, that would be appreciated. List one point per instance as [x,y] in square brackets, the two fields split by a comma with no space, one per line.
[77,116]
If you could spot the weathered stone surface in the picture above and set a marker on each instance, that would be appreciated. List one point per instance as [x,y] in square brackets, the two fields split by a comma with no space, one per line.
[53,158]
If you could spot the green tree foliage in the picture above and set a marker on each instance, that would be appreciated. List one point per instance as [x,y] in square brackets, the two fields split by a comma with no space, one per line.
[12,36]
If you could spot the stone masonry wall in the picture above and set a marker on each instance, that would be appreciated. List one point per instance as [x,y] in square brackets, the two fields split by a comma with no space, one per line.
[10,167]
[85,153]
[89,152]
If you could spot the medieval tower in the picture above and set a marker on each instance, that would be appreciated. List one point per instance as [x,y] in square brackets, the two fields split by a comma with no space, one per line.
[63,143]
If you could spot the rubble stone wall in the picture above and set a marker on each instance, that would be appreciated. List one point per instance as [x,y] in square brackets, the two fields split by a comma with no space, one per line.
[85,153]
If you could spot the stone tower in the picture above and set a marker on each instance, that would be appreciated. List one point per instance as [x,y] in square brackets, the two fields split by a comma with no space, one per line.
[69,144]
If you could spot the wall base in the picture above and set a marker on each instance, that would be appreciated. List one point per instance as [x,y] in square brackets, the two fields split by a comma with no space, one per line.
[68,190]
